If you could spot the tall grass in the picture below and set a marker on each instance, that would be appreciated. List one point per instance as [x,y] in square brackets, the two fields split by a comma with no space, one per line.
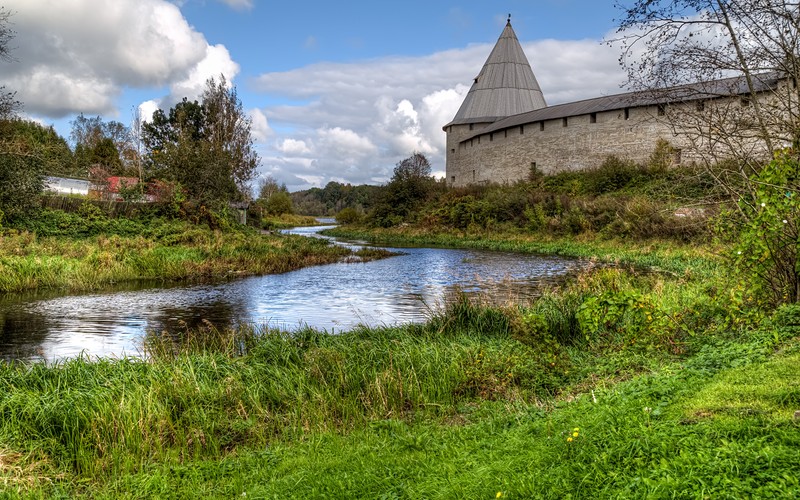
[203,393]
[191,253]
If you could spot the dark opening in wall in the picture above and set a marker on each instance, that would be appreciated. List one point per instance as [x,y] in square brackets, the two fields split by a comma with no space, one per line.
[453,150]
[627,113]
[505,132]
[745,101]
[593,118]
[563,122]
[491,137]
[662,110]
[701,106]
[541,126]
[473,176]
[453,179]
[522,129]
[471,126]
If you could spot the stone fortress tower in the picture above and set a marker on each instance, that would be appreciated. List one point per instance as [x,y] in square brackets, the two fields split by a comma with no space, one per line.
[504,129]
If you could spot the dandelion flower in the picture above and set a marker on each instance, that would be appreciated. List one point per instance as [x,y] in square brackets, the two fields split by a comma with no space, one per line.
[569,439]
[576,429]
[499,494]
[574,434]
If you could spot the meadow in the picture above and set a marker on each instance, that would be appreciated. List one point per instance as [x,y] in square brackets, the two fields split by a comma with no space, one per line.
[660,371]
[620,383]
[88,250]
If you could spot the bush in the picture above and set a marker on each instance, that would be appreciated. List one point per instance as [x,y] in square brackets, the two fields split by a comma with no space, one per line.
[348,216]
[278,204]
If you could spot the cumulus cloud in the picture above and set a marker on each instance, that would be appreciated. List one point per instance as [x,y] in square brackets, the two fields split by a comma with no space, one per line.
[356,120]
[217,61]
[259,127]
[78,56]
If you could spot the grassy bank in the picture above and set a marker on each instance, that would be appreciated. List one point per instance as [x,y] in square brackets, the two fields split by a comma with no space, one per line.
[80,252]
[618,385]
[668,256]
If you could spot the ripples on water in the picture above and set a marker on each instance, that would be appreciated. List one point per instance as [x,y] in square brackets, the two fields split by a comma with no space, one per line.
[336,297]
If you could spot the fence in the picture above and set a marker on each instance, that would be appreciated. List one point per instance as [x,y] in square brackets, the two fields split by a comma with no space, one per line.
[110,207]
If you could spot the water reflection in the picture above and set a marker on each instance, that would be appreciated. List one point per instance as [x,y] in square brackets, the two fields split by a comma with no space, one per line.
[335,297]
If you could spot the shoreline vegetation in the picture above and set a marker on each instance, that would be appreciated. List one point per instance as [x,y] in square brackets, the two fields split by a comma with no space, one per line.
[665,374]
[620,383]
[75,253]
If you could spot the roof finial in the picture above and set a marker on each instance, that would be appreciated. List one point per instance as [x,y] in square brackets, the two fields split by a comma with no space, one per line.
[509,20]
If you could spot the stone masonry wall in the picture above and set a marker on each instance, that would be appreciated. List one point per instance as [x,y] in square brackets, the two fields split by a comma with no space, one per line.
[573,143]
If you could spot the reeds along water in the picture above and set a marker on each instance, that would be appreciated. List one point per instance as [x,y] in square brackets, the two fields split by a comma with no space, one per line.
[208,390]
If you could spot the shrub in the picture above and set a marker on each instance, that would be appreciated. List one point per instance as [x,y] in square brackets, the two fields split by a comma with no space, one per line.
[279,203]
[348,216]
[767,253]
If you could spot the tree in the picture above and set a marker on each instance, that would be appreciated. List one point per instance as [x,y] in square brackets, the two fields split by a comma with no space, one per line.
[279,203]
[26,150]
[267,186]
[108,145]
[408,188]
[709,51]
[205,146]
[739,62]
[8,103]
[228,132]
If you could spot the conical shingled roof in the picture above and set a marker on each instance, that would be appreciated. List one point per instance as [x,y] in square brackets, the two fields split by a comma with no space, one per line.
[505,86]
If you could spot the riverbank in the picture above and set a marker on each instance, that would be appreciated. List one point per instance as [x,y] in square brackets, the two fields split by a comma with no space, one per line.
[74,253]
[655,254]
[618,384]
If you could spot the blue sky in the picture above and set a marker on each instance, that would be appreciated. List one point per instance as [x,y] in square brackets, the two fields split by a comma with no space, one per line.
[336,90]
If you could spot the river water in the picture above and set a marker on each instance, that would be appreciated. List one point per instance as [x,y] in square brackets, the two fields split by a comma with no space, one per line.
[335,297]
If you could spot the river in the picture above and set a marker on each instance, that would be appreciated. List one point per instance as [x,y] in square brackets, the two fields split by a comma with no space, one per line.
[336,297]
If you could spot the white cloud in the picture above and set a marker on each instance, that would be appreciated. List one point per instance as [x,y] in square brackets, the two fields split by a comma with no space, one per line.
[395,106]
[293,147]
[259,127]
[79,55]
[217,61]
[146,110]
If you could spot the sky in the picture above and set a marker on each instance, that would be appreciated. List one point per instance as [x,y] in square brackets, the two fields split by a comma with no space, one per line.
[336,91]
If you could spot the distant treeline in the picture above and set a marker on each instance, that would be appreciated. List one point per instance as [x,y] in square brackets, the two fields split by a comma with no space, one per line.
[334,197]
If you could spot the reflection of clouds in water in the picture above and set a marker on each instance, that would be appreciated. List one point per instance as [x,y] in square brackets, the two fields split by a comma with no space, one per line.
[406,288]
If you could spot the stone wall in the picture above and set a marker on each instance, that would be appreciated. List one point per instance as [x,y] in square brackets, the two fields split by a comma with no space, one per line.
[572,143]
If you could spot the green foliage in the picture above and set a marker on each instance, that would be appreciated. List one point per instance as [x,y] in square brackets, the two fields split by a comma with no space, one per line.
[410,186]
[107,145]
[23,159]
[206,147]
[27,137]
[767,249]
[348,215]
[279,203]
[662,157]
[336,196]
[131,192]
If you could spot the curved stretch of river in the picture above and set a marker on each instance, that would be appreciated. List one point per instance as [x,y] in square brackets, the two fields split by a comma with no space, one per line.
[335,297]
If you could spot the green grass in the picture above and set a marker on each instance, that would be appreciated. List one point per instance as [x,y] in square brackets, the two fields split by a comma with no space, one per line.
[477,401]
[164,250]
[655,254]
